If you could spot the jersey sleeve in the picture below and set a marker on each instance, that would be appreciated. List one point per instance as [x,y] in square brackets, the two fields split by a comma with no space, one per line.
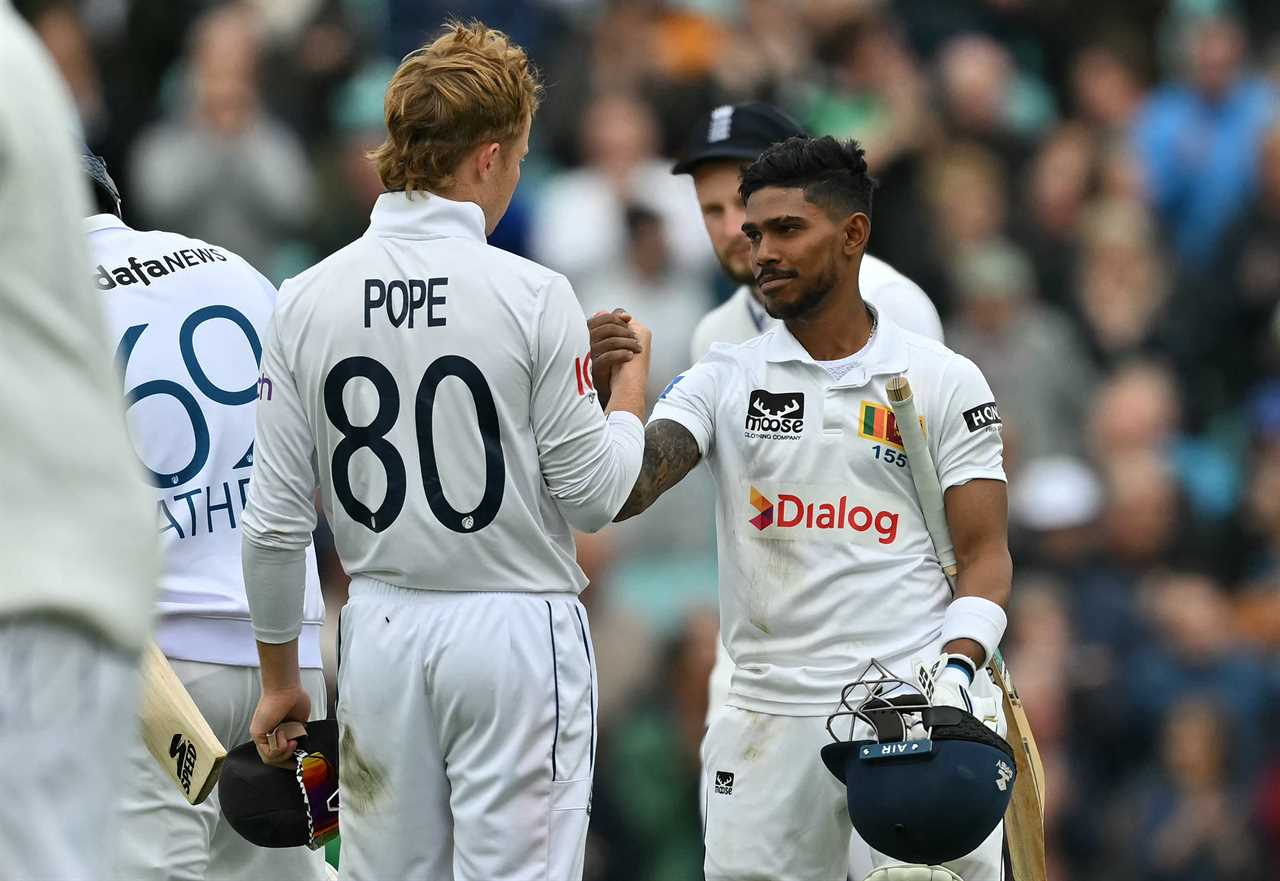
[589,462]
[281,511]
[969,442]
[690,400]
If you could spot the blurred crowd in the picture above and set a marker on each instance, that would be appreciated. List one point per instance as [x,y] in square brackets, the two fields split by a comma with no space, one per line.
[1090,192]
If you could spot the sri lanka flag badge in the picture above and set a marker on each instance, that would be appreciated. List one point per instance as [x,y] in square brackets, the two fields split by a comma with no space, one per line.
[877,422]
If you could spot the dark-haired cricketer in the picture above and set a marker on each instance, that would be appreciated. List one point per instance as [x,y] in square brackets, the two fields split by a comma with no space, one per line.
[825,560]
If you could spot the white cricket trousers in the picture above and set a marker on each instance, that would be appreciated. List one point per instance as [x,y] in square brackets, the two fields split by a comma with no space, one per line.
[774,812]
[467,725]
[158,836]
[67,706]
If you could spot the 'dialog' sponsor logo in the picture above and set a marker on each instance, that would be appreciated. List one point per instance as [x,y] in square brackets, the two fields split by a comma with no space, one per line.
[793,516]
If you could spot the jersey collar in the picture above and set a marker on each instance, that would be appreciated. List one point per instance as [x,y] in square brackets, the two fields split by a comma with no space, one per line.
[886,353]
[426,216]
[96,222]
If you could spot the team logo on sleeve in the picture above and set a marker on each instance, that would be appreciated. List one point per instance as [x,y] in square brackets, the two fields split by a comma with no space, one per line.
[666,391]
[582,373]
[775,416]
[982,416]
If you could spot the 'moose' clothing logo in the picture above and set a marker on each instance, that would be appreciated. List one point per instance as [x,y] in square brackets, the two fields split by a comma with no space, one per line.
[982,416]
[794,517]
[724,783]
[775,416]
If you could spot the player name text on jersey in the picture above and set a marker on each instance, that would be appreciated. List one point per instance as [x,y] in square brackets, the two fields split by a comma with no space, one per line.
[402,298]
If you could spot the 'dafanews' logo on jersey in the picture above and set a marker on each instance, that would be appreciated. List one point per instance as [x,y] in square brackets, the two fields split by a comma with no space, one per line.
[775,416]
[793,512]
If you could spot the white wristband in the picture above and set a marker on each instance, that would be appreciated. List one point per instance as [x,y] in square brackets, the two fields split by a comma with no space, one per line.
[975,618]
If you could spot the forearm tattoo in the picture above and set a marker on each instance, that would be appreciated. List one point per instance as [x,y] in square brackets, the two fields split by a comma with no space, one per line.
[670,452]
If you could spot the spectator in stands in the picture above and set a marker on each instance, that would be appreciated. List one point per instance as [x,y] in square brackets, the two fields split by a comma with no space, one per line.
[1106,87]
[647,282]
[347,182]
[1054,508]
[64,35]
[1138,410]
[964,193]
[1250,261]
[980,99]
[580,223]
[647,790]
[1058,188]
[1198,139]
[1029,352]
[624,643]
[1192,824]
[221,168]
[1195,650]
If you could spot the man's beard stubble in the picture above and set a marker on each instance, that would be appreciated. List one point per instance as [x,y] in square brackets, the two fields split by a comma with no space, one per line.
[810,299]
[737,276]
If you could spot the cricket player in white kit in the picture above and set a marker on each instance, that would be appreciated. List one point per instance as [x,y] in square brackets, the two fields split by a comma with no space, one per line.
[439,389]
[825,560]
[77,551]
[188,319]
[731,136]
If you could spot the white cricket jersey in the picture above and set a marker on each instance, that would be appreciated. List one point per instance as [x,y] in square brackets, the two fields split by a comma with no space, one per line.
[187,319]
[441,389]
[75,536]
[740,318]
[825,560]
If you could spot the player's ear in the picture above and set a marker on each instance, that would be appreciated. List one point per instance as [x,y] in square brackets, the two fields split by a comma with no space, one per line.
[856,232]
[486,158]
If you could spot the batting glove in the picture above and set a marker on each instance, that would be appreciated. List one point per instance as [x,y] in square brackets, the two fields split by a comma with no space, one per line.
[945,682]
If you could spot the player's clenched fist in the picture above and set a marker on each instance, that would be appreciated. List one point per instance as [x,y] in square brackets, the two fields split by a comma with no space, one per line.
[278,723]
[615,340]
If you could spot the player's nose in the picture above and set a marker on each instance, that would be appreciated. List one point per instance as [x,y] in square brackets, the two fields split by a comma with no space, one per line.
[765,255]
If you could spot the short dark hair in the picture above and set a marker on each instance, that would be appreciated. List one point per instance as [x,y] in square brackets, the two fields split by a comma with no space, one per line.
[832,173]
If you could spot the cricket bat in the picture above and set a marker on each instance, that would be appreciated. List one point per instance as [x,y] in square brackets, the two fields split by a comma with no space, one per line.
[175,730]
[1024,818]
